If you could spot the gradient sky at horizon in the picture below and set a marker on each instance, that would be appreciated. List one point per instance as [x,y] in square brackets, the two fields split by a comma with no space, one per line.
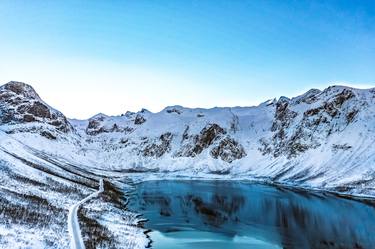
[85,57]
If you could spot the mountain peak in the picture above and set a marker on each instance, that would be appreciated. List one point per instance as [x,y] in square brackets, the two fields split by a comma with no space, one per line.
[99,115]
[19,104]
[21,88]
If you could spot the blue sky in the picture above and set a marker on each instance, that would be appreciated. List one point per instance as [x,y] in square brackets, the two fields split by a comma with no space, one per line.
[85,57]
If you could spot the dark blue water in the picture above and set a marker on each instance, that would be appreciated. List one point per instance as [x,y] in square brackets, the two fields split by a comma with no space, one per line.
[226,214]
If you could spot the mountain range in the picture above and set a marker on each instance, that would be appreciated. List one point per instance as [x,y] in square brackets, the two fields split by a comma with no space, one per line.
[51,166]
[320,139]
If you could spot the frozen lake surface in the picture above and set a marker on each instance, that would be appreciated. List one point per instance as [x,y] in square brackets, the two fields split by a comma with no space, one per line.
[228,214]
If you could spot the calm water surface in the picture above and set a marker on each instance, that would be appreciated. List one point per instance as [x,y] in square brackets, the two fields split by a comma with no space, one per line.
[226,214]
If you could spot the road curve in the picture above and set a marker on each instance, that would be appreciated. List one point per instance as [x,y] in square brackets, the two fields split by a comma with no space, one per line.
[75,235]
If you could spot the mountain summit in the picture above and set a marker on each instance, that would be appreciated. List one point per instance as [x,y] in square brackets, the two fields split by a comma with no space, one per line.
[20,104]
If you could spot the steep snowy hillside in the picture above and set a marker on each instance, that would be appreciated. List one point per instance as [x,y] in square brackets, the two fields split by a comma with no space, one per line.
[37,190]
[321,139]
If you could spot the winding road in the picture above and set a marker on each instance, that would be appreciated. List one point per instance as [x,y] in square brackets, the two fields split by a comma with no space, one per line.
[76,241]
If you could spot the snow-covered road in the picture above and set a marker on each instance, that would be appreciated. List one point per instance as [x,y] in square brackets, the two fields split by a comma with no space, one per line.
[76,241]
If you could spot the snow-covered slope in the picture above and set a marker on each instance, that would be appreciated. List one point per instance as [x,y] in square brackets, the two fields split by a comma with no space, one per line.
[321,139]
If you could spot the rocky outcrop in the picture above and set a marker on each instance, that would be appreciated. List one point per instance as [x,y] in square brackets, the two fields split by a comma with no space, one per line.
[228,150]
[194,144]
[159,148]
[139,119]
[19,103]
[211,136]
[97,125]
[174,110]
[283,116]
[283,119]
[294,133]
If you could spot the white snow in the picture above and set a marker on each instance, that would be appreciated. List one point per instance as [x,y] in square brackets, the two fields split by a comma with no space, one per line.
[76,241]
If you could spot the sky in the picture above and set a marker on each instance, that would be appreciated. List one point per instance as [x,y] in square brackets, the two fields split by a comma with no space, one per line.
[86,57]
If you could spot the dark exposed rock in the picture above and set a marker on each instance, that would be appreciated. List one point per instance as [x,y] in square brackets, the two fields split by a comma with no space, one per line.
[309,97]
[115,128]
[228,150]
[6,116]
[185,135]
[139,119]
[97,126]
[174,110]
[127,130]
[283,118]
[197,143]
[93,128]
[19,103]
[48,135]
[336,147]
[220,172]
[62,124]
[295,147]
[93,124]
[342,97]
[207,137]
[283,115]
[234,124]
[330,109]
[57,123]
[5,96]
[28,118]
[124,140]
[160,148]
[350,116]
[312,112]
[39,110]
[265,146]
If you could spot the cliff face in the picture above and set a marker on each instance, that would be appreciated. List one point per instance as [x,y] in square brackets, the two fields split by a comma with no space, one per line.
[320,139]
[20,104]
[308,121]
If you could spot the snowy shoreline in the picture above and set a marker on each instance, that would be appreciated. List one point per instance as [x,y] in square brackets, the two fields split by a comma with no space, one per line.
[138,178]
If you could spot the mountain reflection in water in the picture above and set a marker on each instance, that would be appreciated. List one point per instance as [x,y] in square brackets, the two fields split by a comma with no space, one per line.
[227,214]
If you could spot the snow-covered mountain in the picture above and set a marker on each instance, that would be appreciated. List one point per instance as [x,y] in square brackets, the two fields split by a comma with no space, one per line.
[48,163]
[321,139]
